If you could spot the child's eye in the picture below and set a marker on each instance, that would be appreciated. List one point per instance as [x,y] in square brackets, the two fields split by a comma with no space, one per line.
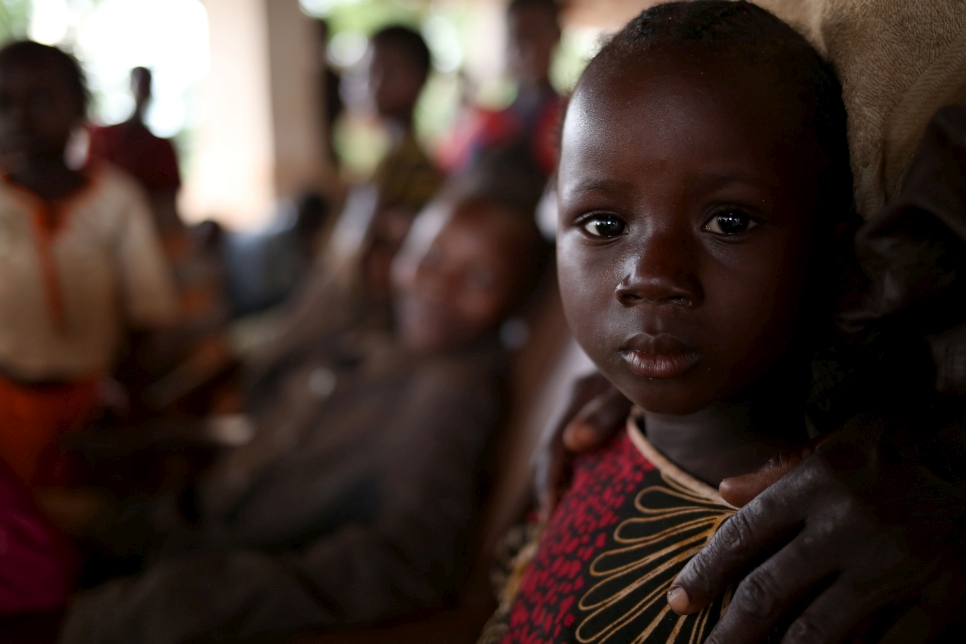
[730,222]
[604,225]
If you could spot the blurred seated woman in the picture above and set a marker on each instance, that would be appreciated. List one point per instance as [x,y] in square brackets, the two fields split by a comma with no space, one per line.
[353,501]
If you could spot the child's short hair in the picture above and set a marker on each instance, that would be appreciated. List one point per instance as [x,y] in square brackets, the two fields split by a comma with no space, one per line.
[409,42]
[30,52]
[742,31]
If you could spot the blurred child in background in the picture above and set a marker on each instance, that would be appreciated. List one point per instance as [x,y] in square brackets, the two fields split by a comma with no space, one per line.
[349,285]
[533,33]
[80,262]
[353,501]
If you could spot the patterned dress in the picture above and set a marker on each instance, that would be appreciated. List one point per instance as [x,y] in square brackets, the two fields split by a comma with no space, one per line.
[622,533]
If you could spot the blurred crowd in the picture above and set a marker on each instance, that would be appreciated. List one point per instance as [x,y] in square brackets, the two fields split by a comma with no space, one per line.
[324,427]
[303,415]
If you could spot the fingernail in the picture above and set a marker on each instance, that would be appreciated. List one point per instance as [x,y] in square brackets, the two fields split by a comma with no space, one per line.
[677,598]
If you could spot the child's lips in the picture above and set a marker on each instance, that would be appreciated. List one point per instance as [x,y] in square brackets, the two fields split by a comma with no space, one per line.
[660,365]
[659,356]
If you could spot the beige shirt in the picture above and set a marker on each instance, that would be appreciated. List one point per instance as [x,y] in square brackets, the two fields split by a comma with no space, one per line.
[67,293]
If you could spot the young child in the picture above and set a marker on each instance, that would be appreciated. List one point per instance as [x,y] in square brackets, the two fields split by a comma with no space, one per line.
[79,260]
[399,63]
[533,33]
[353,500]
[350,283]
[149,159]
[703,175]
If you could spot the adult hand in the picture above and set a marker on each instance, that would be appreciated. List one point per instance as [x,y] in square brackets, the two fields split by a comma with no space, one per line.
[853,530]
[597,411]
[739,491]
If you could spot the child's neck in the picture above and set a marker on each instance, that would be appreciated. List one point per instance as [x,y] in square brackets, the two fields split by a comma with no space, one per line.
[730,438]
[49,179]
[722,441]
[137,117]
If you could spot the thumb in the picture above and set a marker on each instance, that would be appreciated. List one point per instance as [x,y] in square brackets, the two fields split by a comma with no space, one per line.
[740,490]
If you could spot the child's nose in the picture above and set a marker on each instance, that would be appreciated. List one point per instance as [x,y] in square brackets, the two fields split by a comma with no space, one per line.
[661,272]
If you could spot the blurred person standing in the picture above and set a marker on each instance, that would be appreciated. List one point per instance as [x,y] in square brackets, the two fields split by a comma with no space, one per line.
[151,160]
[80,263]
[173,360]
[349,286]
[533,33]
[398,65]
[331,105]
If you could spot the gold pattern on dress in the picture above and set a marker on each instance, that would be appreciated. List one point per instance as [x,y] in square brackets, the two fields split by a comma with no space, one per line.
[676,519]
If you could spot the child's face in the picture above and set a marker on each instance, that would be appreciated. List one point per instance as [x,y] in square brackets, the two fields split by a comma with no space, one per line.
[461,283]
[532,36]
[393,81]
[686,205]
[37,111]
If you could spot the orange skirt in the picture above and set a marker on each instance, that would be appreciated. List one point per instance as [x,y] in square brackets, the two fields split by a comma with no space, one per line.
[31,419]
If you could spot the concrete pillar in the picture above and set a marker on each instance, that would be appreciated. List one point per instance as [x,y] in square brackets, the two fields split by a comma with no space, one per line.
[260,137]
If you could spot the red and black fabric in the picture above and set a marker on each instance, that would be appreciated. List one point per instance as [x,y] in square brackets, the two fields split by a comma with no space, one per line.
[621,534]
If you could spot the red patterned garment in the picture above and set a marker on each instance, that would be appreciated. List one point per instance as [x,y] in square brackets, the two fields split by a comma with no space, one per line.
[621,534]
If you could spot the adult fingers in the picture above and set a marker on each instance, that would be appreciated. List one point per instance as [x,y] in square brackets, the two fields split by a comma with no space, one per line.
[855,601]
[597,421]
[833,616]
[916,626]
[550,475]
[769,592]
[551,461]
[751,533]
[941,605]
[740,490]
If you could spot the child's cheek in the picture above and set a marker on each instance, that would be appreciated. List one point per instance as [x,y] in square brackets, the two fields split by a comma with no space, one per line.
[587,286]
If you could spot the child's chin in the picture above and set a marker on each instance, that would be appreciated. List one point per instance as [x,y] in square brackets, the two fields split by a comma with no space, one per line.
[669,402]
